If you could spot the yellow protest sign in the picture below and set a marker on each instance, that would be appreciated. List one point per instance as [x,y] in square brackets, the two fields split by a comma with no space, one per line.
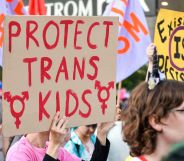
[169,39]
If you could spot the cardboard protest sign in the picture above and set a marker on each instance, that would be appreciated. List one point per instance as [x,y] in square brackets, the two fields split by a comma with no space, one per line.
[169,39]
[64,64]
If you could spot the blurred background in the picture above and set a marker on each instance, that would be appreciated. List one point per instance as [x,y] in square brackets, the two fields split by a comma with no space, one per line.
[96,8]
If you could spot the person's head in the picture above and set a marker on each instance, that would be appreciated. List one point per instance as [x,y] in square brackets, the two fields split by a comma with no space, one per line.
[153,114]
[87,130]
[121,108]
[123,99]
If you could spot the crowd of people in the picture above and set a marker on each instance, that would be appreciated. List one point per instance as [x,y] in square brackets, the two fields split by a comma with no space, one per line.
[148,125]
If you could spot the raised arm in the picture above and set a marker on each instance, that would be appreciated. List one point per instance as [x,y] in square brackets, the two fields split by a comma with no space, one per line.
[102,144]
[149,52]
[57,135]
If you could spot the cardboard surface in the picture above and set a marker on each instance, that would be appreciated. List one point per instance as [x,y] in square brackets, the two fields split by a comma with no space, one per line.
[58,63]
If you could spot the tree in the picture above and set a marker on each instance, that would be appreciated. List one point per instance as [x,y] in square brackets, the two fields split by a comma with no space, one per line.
[135,79]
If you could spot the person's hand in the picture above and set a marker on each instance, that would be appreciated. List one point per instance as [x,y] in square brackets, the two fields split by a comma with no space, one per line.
[57,134]
[67,138]
[102,130]
[58,129]
[150,51]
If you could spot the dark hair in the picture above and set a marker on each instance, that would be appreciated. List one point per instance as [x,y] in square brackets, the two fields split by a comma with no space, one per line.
[94,126]
[123,104]
[142,104]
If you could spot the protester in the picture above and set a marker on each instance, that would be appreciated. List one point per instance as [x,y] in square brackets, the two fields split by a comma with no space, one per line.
[154,119]
[82,141]
[155,113]
[119,150]
[33,147]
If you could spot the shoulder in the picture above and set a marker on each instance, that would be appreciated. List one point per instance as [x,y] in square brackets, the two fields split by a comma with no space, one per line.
[21,149]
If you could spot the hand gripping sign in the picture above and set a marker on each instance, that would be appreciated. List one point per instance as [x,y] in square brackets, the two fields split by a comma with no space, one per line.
[12,100]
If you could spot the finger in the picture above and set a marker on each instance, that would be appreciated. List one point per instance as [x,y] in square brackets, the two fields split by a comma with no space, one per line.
[66,120]
[58,120]
[118,106]
[60,123]
[152,45]
[68,130]
[108,125]
[54,120]
[68,135]
[99,125]
[65,131]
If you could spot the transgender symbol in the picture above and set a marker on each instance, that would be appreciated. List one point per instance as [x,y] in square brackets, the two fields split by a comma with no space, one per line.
[103,93]
[14,99]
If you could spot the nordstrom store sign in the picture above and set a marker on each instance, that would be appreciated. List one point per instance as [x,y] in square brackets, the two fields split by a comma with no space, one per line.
[88,7]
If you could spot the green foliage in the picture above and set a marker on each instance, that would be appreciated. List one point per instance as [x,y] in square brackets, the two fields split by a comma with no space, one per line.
[135,79]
